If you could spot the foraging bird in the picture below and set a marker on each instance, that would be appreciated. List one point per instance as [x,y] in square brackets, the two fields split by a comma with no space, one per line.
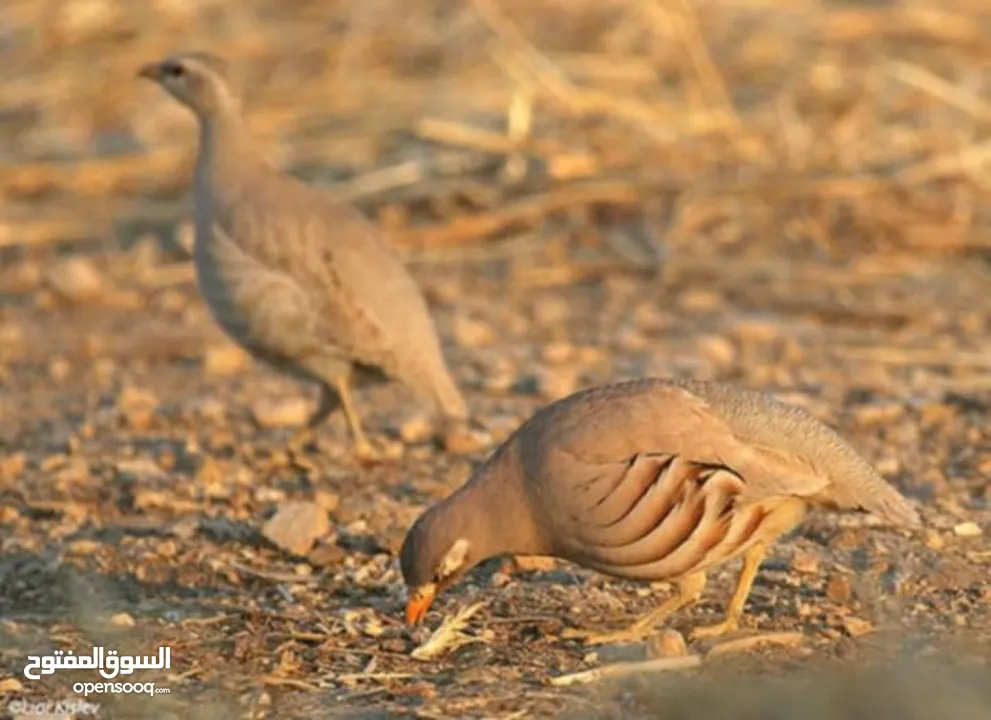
[302,282]
[649,480]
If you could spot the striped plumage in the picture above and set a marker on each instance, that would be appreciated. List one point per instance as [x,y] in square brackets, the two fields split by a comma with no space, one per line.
[650,480]
[302,282]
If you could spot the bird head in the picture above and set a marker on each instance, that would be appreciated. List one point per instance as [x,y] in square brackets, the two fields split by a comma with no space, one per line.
[199,81]
[435,554]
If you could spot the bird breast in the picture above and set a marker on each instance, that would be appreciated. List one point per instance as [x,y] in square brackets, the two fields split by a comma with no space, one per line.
[263,310]
[659,516]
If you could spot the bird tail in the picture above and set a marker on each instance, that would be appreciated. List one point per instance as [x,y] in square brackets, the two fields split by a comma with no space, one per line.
[449,398]
[891,506]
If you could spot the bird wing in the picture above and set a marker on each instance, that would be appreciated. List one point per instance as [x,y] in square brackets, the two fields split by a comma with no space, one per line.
[362,298]
[608,427]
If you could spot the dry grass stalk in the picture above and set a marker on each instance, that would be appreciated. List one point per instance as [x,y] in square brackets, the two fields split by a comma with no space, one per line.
[780,639]
[627,669]
[449,635]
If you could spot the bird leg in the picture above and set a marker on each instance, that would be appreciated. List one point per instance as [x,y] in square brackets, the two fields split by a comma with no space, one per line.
[327,404]
[752,559]
[782,517]
[689,590]
[363,449]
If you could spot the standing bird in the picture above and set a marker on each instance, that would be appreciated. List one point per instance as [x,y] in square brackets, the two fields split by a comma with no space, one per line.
[649,480]
[302,282]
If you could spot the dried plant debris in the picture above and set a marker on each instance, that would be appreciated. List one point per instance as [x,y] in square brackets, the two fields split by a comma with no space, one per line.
[449,636]
[627,669]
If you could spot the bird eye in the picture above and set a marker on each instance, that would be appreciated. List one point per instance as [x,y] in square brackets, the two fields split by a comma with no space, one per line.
[174,70]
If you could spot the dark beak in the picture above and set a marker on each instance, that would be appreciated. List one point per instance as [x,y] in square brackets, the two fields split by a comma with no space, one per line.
[151,71]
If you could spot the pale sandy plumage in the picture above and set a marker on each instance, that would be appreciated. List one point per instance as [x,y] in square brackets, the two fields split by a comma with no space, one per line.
[650,480]
[302,282]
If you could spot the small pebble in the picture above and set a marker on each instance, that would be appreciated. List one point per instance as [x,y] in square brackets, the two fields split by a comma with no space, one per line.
[856,627]
[470,332]
[296,526]
[839,590]
[967,529]
[806,562]
[76,280]
[933,540]
[226,359]
[535,562]
[716,349]
[326,553]
[137,407]
[284,412]
[557,382]
[122,620]
[416,430]
[668,643]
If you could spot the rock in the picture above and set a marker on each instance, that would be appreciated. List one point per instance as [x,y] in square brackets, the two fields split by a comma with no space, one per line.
[557,352]
[753,330]
[326,553]
[76,280]
[967,529]
[933,540]
[463,440]
[140,470]
[59,368]
[856,627]
[667,643]
[878,413]
[284,412]
[471,332]
[631,339]
[550,310]
[20,278]
[416,430]
[717,350]
[534,562]
[839,590]
[296,526]
[167,549]
[122,620]
[698,299]
[226,359]
[557,382]
[83,547]
[12,465]
[10,686]
[12,339]
[326,499]
[137,407]
[803,561]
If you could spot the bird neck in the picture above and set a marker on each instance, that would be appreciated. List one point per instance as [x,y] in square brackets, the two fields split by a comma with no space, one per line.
[227,148]
[494,511]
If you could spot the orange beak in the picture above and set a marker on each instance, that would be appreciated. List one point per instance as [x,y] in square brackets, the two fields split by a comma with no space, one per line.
[419,602]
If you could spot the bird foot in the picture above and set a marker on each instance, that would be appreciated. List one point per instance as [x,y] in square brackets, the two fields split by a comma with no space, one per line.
[366,454]
[721,628]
